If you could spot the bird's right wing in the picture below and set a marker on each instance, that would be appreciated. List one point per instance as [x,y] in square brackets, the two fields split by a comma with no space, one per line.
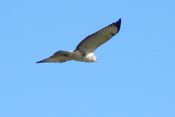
[60,56]
[92,42]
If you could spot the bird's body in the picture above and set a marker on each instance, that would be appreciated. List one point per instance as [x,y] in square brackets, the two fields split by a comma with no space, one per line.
[90,57]
[84,50]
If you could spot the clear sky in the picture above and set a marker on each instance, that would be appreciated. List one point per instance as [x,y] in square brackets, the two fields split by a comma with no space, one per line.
[134,75]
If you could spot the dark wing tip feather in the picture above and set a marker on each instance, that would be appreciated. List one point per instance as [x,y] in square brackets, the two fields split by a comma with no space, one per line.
[117,24]
[40,61]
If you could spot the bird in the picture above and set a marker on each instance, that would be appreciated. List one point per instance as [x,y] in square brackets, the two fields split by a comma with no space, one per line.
[84,51]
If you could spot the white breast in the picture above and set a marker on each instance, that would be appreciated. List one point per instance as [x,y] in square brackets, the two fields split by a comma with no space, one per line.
[76,55]
[90,58]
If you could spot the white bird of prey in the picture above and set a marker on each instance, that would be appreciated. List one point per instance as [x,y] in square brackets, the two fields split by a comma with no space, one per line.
[84,50]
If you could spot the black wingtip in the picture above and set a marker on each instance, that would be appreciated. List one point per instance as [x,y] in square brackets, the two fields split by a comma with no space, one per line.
[40,61]
[118,23]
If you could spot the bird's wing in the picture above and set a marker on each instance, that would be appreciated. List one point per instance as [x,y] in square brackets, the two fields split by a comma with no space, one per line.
[60,56]
[90,43]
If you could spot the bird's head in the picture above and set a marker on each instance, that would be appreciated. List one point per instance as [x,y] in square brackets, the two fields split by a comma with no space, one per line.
[94,59]
[91,57]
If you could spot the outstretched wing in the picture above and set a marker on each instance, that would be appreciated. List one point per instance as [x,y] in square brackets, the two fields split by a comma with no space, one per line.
[60,56]
[92,42]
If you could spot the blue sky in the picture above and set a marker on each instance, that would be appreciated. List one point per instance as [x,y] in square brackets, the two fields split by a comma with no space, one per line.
[134,75]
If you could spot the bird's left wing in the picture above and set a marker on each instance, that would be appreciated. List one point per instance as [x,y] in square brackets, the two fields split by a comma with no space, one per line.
[90,43]
[60,56]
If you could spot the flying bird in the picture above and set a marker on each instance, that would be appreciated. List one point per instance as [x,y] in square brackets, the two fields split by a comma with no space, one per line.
[84,50]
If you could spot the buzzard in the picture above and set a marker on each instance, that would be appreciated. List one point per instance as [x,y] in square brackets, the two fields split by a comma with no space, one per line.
[84,50]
